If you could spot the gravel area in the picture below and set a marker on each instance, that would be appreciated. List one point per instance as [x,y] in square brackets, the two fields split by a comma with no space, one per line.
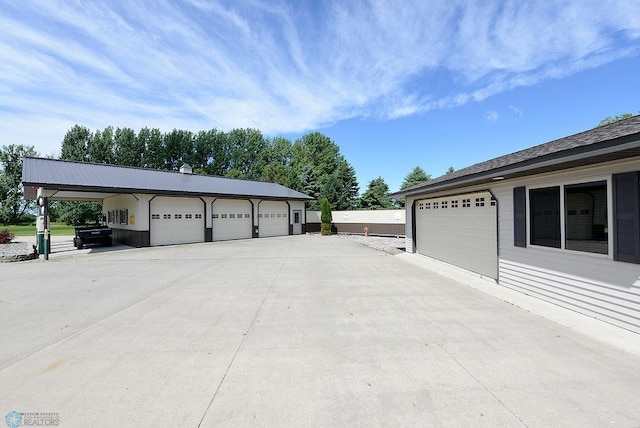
[17,252]
[14,249]
[389,245]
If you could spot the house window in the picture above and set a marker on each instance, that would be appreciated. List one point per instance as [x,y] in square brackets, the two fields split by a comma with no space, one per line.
[586,222]
[124,216]
[435,205]
[232,216]
[479,202]
[454,203]
[247,216]
[198,215]
[155,216]
[223,216]
[214,216]
[444,204]
[427,206]
[166,216]
[177,216]
[544,216]
[466,203]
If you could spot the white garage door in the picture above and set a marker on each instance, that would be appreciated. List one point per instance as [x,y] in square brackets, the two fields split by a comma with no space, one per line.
[176,221]
[231,219]
[273,218]
[461,230]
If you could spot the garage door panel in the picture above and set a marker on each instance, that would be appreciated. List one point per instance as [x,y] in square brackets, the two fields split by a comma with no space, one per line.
[273,219]
[176,221]
[231,219]
[461,230]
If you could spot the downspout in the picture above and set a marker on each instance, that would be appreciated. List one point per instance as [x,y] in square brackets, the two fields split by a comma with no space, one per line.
[289,218]
[414,245]
[493,198]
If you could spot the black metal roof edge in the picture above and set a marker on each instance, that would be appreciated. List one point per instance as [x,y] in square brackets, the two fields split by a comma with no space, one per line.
[474,178]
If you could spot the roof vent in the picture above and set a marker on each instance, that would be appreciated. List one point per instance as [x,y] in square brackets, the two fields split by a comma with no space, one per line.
[186,169]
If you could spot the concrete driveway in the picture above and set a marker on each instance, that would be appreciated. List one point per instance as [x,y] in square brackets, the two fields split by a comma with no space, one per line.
[290,331]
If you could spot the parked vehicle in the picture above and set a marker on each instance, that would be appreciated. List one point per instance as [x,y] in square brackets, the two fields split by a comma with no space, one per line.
[96,234]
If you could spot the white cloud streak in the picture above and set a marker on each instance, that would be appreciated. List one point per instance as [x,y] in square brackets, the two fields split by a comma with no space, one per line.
[288,66]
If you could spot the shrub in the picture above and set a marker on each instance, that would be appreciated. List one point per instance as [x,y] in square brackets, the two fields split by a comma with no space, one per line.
[6,236]
[325,217]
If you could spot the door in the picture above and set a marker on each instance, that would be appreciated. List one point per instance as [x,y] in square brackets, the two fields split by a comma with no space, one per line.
[297,222]
[231,219]
[176,220]
[273,218]
[461,230]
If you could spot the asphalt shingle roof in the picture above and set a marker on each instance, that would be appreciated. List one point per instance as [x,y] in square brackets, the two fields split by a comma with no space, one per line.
[72,175]
[566,145]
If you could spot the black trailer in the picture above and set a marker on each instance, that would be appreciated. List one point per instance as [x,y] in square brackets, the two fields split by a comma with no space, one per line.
[92,235]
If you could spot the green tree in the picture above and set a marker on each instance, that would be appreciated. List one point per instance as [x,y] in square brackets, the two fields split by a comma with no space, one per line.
[178,149]
[12,203]
[129,150]
[376,197]
[325,217]
[248,150]
[450,170]
[154,156]
[100,147]
[332,176]
[342,187]
[415,177]
[278,161]
[609,120]
[75,145]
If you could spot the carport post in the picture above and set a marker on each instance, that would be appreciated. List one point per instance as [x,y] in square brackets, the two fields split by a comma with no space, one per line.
[45,211]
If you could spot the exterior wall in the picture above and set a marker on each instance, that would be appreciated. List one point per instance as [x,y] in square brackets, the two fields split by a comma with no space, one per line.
[135,234]
[589,283]
[379,222]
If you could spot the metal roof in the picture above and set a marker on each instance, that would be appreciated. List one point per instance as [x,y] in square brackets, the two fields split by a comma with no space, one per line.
[66,175]
[617,140]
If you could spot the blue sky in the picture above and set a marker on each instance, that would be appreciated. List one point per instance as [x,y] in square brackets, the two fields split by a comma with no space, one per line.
[394,84]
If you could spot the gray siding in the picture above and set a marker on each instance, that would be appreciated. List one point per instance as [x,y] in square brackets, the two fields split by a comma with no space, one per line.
[593,284]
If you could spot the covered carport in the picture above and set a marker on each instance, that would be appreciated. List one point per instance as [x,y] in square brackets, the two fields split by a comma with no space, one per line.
[145,207]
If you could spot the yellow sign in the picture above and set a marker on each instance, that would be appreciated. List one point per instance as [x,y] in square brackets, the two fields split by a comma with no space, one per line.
[132,219]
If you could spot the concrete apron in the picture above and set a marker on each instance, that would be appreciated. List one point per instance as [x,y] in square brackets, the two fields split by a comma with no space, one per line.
[291,331]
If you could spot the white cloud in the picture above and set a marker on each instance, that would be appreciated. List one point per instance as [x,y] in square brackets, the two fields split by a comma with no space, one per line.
[287,67]
[492,116]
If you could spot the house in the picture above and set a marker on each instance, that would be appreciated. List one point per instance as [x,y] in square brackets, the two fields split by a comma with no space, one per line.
[559,221]
[147,207]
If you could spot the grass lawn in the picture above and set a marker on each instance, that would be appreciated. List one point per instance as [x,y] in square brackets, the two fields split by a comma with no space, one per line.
[57,229]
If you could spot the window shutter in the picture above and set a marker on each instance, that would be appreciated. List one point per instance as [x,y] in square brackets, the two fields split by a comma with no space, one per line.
[626,217]
[519,217]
